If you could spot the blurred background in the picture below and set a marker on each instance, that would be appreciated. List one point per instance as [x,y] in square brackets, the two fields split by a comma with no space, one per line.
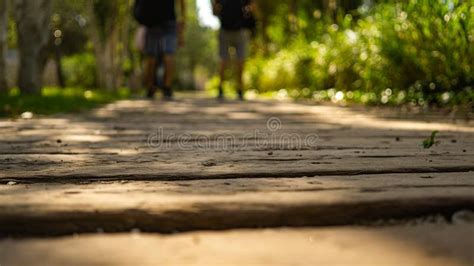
[407,52]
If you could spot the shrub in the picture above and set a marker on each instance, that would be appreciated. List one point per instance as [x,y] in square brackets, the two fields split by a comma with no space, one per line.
[80,70]
[418,51]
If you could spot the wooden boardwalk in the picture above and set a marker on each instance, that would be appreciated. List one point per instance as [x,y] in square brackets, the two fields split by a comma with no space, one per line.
[196,164]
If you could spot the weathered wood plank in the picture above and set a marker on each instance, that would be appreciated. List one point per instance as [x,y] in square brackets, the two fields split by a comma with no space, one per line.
[348,139]
[420,245]
[55,208]
[193,165]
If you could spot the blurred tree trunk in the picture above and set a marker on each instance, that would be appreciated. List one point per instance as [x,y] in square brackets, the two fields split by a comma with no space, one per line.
[331,7]
[32,18]
[3,43]
[59,66]
[126,50]
[264,10]
[350,5]
[106,17]
[266,39]
[293,16]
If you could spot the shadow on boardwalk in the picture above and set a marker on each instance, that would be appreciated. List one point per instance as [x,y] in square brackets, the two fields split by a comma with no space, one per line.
[197,164]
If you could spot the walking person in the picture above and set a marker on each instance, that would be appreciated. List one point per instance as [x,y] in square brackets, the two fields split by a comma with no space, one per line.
[237,19]
[165,23]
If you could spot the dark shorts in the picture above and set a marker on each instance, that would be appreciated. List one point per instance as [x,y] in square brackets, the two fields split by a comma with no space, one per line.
[161,39]
[238,40]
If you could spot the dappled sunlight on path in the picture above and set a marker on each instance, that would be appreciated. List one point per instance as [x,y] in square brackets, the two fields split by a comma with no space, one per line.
[196,164]
[143,139]
[328,246]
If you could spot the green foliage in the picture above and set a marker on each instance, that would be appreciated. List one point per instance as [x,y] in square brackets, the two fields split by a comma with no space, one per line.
[212,87]
[430,141]
[199,51]
[80,70]
[69,19]
[418,51]
[56,100]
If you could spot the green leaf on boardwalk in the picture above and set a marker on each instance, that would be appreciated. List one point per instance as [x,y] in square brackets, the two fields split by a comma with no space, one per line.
[430,141]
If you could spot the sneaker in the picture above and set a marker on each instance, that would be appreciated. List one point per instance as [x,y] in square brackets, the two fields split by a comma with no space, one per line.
[167,94]
[240,94]
[168,98]
[220,97]
[150,94]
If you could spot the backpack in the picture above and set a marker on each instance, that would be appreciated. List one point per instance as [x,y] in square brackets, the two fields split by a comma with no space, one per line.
[152,13]
[250,23]
[233,17]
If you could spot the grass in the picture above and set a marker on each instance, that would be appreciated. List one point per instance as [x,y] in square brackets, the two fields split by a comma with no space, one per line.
[56,100]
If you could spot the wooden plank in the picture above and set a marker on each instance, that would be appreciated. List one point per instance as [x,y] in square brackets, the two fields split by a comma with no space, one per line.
[55,208]
[419,245]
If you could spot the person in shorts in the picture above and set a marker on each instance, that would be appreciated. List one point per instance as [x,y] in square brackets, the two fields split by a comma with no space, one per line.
[164,31]
[234,33]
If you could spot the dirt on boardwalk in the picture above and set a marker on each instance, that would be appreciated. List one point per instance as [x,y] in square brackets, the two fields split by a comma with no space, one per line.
[196,164]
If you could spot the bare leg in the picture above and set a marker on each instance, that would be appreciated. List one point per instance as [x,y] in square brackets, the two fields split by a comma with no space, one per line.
[240,79]
[169,75]
[222,69]
[169,70]
[150,76]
